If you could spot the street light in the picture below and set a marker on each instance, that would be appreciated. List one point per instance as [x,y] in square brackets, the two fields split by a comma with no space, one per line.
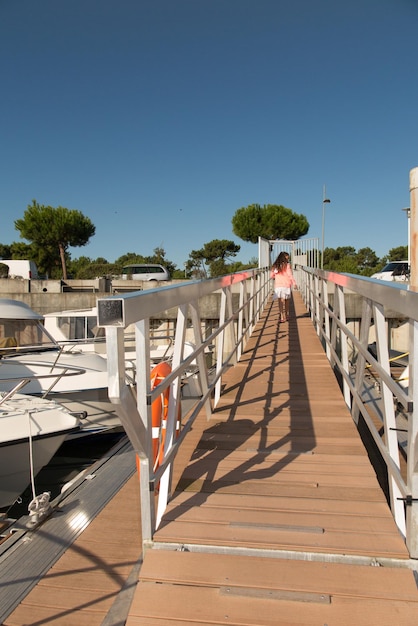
[325,201]
[408,215]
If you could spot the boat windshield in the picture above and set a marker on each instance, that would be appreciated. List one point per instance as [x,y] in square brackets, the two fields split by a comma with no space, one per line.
[26,335]
[397,266]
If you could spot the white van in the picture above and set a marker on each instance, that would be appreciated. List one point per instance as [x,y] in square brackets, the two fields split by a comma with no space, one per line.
[145,271]
[395,270]
[21,268]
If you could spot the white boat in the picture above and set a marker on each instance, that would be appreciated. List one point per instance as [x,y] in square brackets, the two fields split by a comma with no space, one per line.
[77,330]
[31,431]
[76,379]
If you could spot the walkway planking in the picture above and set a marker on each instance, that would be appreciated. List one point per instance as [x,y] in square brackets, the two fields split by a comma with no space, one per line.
[275,520]
[278,517]
[83,584]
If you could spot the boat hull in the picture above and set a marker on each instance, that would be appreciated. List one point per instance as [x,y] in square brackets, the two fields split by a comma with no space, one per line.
[31,431]
[15,473]
[85,394]
[96,412]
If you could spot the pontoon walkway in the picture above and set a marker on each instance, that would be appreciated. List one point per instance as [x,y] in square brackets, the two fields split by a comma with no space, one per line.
[278,517]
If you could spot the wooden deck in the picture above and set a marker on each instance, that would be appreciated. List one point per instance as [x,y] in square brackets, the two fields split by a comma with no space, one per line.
[78,581]
[277,518]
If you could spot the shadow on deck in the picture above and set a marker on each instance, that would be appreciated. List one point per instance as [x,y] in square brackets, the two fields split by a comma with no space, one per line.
[278,517]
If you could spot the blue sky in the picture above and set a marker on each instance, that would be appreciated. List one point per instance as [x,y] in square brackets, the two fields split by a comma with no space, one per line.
[158,119]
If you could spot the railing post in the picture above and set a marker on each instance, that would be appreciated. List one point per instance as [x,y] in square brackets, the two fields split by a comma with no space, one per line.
[366,317]
[313,282]
[253,285]
[231,330]
[200,359]
[326,320]
[340,297]
[134,414]
[240,318]
[412,453]
[171,419]
[220,347]
[266,292]
[317,309]
[389,421]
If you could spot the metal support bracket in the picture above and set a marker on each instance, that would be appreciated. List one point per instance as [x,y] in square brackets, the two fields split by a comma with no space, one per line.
[409,500]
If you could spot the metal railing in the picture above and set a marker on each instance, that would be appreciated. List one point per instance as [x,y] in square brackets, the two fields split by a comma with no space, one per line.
[240,299]
[355,319]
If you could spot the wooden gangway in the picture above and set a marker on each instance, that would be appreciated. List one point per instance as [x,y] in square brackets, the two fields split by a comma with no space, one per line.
[277,517]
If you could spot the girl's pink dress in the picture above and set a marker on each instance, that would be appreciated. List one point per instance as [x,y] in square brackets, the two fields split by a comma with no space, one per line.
[283,278]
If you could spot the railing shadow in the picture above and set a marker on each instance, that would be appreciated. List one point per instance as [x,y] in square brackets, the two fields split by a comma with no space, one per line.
[272,405]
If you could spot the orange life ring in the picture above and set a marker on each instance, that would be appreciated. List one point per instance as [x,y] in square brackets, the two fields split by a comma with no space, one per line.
[159,413]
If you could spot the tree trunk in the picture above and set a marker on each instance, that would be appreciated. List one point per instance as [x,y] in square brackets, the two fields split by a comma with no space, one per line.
[63,264]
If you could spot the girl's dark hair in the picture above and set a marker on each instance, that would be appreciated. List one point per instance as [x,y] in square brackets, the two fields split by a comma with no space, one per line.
[281,261]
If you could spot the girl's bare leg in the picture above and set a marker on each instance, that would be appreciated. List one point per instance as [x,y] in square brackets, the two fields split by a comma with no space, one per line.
[282,309]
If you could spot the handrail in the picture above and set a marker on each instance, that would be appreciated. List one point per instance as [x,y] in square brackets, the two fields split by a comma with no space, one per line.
[9,394]
[239,300]
[347,336]
[56,373]
[63,343]
[64,370]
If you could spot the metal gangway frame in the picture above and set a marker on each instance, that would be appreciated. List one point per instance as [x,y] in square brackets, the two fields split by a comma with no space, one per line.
[326,297]
[241,299]
[302,252]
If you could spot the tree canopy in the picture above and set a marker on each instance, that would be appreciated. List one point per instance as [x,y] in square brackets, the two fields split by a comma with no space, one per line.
[86,268]
[270,221]
[53,230]
[214,254]
[364,261]
[400,253]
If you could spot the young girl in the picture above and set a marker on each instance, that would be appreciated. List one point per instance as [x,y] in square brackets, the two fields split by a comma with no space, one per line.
[283,282]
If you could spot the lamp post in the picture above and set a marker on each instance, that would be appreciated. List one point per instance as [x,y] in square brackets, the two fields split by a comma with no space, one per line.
[325,201]
[408,215]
